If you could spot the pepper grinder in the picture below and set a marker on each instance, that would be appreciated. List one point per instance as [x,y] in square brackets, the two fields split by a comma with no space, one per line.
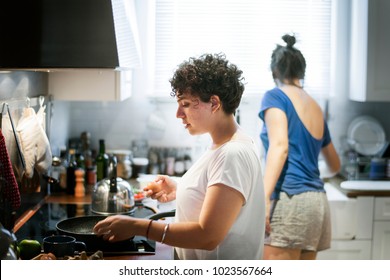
[79,190]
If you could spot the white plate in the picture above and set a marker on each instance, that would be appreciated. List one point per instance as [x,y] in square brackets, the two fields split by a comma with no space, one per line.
[366,136]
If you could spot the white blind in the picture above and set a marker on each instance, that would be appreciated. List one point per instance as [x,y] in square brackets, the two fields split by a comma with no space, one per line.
[246,31]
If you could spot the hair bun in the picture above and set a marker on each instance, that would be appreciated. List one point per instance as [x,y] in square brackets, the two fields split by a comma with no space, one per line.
[290,40]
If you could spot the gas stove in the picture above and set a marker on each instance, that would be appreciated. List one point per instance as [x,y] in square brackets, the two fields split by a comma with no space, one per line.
[43,223]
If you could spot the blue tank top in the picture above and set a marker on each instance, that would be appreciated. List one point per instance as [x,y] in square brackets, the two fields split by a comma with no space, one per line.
[300,172]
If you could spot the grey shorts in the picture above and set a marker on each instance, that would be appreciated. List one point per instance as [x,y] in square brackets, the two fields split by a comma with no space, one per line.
[300,221]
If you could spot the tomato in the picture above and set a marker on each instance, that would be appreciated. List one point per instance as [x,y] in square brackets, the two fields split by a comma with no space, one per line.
[29,248]
[138,196]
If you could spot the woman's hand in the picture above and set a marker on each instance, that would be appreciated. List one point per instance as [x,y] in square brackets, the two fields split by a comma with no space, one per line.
[163,189]
[268,216]
[117,228]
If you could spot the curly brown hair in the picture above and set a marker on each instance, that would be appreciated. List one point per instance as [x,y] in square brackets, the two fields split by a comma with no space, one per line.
[210,74]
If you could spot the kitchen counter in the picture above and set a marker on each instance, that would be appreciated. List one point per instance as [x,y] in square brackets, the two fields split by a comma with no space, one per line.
[162,251]
[337,180]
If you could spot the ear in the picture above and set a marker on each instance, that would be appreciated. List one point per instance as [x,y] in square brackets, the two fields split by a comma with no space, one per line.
[215,102]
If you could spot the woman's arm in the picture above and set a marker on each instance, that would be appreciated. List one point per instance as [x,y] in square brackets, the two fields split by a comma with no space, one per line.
[220,209]
[331,158]
[277,127]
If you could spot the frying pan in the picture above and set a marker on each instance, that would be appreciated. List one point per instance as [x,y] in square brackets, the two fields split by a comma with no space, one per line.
[82,229]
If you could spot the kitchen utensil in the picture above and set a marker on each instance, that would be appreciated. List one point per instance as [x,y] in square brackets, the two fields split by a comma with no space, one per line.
[6,240]
[81,228]
[19,149]
[112,195]
[366,136]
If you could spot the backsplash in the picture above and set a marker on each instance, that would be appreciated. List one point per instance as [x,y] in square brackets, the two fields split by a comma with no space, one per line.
[154,120]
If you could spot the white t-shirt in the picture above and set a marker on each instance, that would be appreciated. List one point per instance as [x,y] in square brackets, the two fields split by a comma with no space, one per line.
[235,164]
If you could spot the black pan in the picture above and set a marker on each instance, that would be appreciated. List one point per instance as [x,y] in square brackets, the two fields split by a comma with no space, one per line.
[82,229]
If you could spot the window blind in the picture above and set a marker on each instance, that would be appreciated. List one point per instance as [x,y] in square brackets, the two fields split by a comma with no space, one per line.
[246,31]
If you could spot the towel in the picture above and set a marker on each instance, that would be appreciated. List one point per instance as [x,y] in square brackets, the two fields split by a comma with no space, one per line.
[34,143]
[8,183]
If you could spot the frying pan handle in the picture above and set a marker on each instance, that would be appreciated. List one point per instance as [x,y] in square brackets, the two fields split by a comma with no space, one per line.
[162,215]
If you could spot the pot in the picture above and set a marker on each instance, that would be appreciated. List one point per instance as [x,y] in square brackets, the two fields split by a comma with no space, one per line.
[112,195]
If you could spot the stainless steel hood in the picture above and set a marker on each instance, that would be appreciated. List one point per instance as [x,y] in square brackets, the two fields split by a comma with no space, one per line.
[57,34]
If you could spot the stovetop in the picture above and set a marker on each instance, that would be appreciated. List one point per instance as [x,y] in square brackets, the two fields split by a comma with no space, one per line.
[43,223]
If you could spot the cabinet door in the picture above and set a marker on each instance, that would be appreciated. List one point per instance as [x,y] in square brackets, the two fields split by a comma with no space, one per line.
[347,250]
[381,241]
[90,84]
[369,61]
[382,208]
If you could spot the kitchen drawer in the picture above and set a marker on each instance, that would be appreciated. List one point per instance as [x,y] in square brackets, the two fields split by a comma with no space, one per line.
[382,208]
[347,250]
[381,241]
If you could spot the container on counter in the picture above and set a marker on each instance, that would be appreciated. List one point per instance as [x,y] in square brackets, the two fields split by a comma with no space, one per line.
[388,169]
[377,169]
[352,166]
[140,166]
[124,158]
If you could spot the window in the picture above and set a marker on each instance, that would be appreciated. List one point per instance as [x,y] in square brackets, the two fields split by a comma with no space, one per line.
[246,31]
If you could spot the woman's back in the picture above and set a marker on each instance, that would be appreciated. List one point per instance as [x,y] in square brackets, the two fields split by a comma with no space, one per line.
[307,109]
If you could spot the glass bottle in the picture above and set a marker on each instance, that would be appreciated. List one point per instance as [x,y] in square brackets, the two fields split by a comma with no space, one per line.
[70,175]
[90,168]
[101,162]
[64,166]
[352,167]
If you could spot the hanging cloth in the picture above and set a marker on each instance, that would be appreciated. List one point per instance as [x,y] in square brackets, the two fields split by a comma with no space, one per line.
[41,114]
[8,182]
[34,143]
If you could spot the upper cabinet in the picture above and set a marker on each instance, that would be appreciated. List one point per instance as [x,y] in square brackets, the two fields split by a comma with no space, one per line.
[90,84]
[370,46]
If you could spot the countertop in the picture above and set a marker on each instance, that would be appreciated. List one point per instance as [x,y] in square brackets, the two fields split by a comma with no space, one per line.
[337,180]
[163,251]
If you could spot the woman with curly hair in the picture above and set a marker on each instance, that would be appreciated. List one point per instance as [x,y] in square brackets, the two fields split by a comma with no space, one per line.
[220,199]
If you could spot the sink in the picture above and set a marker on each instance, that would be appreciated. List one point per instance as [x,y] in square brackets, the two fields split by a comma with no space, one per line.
[366,185]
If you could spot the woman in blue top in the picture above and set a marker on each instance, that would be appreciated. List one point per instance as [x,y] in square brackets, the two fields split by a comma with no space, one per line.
[293,135]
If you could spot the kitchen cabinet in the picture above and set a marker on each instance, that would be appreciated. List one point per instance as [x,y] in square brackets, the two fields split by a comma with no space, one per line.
[360,219]
[347,250]
[352,220]
[381,234]
[369,58]
[90,84]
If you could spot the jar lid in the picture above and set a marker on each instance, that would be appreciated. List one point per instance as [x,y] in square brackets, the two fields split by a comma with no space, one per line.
[140,161]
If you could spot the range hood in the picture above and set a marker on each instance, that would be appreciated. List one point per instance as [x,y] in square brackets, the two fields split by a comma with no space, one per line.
[68,34]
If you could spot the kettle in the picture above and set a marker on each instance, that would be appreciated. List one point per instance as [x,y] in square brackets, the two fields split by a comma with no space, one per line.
[112,195]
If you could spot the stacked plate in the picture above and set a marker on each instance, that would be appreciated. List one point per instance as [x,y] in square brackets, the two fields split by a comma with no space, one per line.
[366,136]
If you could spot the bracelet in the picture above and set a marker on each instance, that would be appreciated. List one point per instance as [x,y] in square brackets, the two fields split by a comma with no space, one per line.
[164,233]
[147,231]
